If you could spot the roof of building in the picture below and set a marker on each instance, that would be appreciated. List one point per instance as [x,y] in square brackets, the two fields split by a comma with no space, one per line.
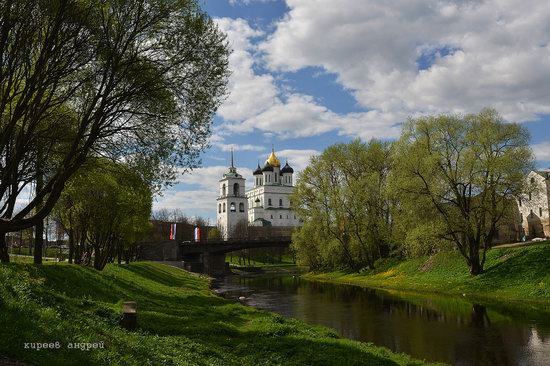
[287,169]
[232,169]
[258,170]
[267,167]
[273,160]
[262,222]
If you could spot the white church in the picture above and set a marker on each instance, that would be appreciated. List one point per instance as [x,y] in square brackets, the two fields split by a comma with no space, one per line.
[265,204]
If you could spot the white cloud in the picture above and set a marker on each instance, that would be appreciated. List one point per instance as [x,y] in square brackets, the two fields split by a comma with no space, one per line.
[240,147]
[256,102]
[542,151]
[297,159]
[249,93]
[501,53]
[299,116]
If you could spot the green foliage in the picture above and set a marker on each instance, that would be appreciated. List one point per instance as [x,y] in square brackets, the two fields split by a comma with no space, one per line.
[343,200]
[214,233]
[464,173]
[135,81]
[109,205]
[180,322]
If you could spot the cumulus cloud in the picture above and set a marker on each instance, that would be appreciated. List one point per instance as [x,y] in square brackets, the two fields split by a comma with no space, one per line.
[257,102]
[249,93]
[500,54]
[297,159]
[542,151]
[240,147]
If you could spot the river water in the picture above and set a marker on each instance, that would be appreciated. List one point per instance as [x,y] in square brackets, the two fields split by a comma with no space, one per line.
[453,330]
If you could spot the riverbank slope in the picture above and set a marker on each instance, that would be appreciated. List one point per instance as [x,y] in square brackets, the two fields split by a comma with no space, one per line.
[511,274]
[180,322]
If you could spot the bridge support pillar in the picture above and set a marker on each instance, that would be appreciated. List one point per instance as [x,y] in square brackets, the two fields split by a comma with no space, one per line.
[214,264]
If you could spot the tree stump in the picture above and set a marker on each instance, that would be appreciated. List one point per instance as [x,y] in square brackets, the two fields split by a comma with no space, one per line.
[129,315]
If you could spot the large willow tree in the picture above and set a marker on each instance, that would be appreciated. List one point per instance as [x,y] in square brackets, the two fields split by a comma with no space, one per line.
[131,80]
[343,201]
[466,171]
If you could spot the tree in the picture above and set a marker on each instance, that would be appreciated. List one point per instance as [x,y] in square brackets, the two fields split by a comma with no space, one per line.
[136,81]
[342,195]
[106,211]
[468,171]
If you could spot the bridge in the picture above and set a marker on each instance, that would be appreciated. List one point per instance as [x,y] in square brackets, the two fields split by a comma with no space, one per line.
[206,256]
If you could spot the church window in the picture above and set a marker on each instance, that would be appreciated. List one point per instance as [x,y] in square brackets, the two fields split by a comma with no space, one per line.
[280,216]
[223,190]
[224,207]
[220,208]
[540,211]
[236,189]
[529,196]
[269,202]
[271,216]
[532,180]
[280,201]
[241,207]
[520,202]
[232,207]
[275,177]
[294,217]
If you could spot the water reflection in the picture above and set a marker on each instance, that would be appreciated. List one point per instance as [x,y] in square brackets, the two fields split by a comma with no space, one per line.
[451,330]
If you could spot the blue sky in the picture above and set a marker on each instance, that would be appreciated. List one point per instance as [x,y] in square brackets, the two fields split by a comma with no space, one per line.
[310,73]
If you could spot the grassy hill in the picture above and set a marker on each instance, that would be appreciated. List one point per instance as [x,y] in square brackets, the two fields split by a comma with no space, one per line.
[180,322]
[511,274]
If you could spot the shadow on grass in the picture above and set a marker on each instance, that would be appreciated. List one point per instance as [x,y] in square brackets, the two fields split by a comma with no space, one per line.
[533,265]
[176,324]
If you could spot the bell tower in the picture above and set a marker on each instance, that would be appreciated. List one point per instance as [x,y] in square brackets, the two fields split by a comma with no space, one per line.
[232,204]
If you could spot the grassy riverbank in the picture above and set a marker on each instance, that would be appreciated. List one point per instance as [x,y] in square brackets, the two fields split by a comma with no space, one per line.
[181,322]
[511,274]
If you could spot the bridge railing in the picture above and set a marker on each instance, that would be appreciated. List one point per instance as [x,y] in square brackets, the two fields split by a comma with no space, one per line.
[236,240]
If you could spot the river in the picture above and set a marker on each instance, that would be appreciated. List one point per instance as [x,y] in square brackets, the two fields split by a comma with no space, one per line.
[453,330]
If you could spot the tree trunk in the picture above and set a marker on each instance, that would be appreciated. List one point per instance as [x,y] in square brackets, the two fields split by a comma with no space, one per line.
[4,255]
[38,242]
[475,263]
[71,248]
[39,228]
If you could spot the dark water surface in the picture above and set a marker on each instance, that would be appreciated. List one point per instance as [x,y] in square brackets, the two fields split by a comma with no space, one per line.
[445,329]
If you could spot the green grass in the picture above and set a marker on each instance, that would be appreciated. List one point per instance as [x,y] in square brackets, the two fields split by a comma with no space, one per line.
[511,274]
[15,253]
[181,322]
[286,261]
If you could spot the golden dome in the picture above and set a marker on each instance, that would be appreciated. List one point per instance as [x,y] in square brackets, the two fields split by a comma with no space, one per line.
[273,160]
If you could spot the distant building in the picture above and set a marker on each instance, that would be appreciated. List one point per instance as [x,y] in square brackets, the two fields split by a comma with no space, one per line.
[534,208]
[267,203]
[269,199]
[231,202]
